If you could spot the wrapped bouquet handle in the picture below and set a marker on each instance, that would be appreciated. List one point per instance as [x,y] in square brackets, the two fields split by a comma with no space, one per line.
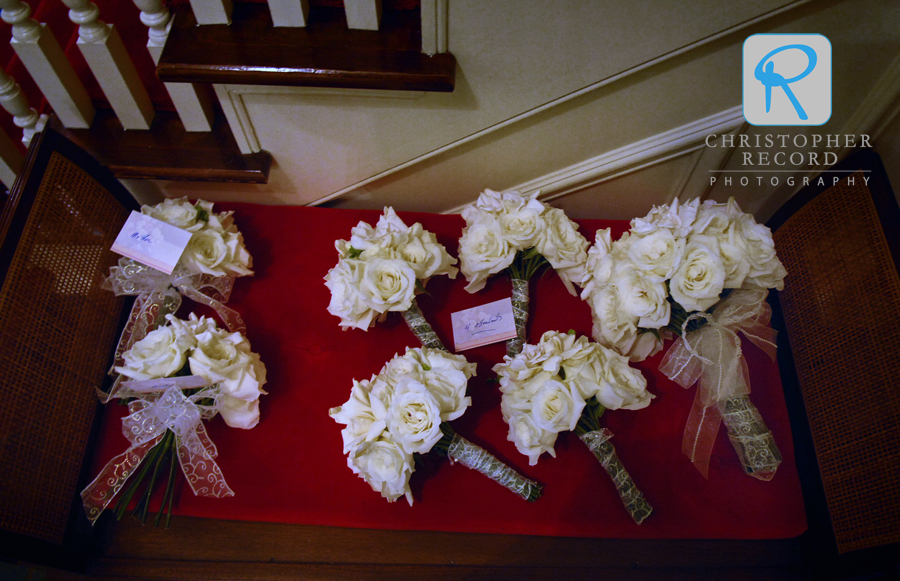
[633,499]
[713,355]
[477,458]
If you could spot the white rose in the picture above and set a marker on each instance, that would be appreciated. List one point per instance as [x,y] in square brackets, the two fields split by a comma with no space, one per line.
[227,359]
[700,278]
[363,421]
[529,439]
[388,224]
[564,248]
[622,387]
[482,252]
[613,327]
[385,467]
[600,262]
[448,387]
[390,284]
[523,227]
[734,260]
[713,219]
[677,217]
[362,236]
[642,297]
[347,299]
[238,261]
[179,213]
[657,255]
[646,345]
[206,252]
[426,257]
[414,417]
[160,354]
[239,413]
[765,268]
[557,406]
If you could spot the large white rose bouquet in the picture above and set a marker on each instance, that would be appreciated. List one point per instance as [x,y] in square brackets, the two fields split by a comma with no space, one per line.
[521,234]
[702,272]
[181,373]
[565,383]
[380,270]
[403,411]
[214,257]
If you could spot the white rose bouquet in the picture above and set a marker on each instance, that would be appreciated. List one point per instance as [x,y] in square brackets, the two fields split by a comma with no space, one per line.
[381,269]
[521,234]
[214,257]
[403,411]
[181,373]
[565,383]
[702,272]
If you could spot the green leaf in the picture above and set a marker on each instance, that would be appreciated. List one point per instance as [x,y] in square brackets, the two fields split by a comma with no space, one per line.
[354,253]
[202,215]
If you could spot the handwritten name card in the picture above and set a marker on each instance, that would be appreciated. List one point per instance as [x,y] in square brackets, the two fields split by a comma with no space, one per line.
[483,325]
[151,242]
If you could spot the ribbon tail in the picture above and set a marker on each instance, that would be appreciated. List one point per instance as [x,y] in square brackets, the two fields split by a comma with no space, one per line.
[196,454]
[231,318]
[700,433]
[100,492]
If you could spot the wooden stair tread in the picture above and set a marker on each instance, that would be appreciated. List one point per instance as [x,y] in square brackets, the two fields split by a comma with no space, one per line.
[323,54]
[168,152]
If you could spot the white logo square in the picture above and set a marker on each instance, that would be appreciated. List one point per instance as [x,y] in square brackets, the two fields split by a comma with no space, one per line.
[787,79]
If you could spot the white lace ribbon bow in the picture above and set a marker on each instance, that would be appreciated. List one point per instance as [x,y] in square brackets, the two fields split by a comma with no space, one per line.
[152,415]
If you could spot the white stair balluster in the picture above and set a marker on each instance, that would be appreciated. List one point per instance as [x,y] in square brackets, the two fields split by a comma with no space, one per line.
[212,11]
[16,103]
[108,60]
[363,14]
[192,102]
[289,13]
[11,160]
[45,61]
[434,26]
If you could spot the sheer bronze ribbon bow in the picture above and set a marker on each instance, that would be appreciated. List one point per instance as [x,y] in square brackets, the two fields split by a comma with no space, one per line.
[713,355]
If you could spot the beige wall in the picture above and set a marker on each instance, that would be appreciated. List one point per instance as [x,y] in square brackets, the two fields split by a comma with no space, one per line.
[597,103]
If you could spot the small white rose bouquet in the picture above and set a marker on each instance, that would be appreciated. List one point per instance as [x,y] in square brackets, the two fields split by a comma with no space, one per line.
[522,234]
[181,373]
[214,257]
[702,272]
[381,269]
[403,411]
[565,383]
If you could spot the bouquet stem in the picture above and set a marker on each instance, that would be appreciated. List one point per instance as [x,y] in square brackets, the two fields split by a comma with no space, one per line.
[159,455]
[633,499]
[477,458]
[751,438]
[520,316]
[423,331]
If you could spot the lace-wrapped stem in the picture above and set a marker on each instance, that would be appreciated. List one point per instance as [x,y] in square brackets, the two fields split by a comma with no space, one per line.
[520,298]
[597,442]
[751,438]
[470,455]
[420,327]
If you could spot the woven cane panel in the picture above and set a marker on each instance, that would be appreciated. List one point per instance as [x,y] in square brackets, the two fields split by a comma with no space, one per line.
[57,329]
[842,310]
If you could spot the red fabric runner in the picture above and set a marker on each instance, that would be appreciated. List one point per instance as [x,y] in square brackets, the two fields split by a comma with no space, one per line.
[290,468]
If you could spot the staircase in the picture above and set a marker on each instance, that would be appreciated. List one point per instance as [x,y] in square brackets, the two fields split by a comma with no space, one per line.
[101,85]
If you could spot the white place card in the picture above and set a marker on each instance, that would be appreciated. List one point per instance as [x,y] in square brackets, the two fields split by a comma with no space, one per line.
[151,242]
[483,325]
